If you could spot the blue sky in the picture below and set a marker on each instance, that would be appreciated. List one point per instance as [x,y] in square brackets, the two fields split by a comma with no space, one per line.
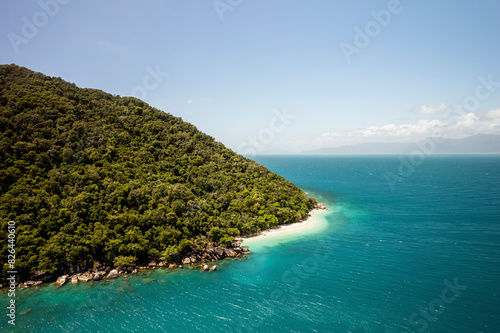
[265,75]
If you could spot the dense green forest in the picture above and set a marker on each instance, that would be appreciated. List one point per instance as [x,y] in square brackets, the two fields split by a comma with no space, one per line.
[92,177]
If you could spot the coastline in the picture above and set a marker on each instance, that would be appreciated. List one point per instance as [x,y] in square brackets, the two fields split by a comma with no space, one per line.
[201,259]
[307,225]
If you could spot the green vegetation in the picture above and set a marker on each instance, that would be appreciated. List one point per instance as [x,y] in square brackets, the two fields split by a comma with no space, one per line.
[91,177]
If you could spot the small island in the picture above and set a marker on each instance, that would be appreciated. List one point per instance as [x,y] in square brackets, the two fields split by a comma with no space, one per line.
[99,186]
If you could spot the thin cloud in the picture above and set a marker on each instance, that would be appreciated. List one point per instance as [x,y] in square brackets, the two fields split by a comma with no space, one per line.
[474,123]
[431,109]
[463,126]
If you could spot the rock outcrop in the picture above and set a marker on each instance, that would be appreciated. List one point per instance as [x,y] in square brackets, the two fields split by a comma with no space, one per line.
[113,274]
[229,252]
[62,280]
[321,206]
[98,276]
[85,277]
[203,254]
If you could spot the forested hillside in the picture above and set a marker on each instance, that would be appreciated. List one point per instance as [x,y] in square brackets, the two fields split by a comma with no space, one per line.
[91,177]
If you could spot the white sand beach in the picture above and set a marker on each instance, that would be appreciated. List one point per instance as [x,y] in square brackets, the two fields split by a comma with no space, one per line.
[313,223]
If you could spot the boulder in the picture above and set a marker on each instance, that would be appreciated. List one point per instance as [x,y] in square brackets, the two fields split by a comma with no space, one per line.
[37,283]
[29,283]
[152,264]
[97,276]
[85,277]
[112,274]
[321,206]
[62,280]
[205,267]
[134,271]
[172,266]
[230,253]
[213,268]
[186,261]
[219,251]
[74,279]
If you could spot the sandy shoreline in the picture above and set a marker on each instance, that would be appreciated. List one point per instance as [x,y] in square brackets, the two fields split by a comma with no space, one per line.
[284,228]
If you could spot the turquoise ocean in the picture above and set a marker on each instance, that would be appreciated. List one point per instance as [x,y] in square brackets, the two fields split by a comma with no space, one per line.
[408,246]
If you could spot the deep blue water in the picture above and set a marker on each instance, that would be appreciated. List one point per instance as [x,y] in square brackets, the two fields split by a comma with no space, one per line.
[407,248]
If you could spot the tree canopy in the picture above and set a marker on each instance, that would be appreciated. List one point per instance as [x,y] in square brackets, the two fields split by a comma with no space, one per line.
[92,177]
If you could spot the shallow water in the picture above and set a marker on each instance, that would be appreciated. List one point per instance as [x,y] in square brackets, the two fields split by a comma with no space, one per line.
[382,262]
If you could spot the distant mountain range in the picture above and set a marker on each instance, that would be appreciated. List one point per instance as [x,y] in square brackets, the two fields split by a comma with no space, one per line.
[476,144]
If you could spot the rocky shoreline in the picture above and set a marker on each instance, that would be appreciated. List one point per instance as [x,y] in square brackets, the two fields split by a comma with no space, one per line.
[202,259]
